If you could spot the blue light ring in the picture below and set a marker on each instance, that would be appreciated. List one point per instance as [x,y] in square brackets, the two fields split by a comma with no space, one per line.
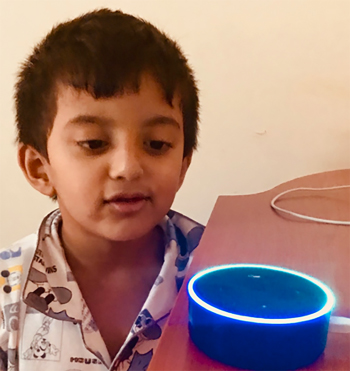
[330,303]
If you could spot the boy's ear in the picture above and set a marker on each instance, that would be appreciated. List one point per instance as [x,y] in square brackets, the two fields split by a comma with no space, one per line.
[185,165]
[35,168]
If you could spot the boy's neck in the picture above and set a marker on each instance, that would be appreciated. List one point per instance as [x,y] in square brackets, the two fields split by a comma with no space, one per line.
[93,254]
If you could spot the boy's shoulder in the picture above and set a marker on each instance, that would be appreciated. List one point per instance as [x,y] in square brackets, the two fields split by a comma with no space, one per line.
[23,244]
[15,261]
[183,220]
[187,232]
[18,253]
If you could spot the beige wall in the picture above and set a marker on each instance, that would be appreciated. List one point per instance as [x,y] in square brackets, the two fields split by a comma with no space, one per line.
[274,77]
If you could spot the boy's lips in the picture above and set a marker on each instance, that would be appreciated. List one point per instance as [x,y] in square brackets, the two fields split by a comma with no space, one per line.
[127,203]
[127,197]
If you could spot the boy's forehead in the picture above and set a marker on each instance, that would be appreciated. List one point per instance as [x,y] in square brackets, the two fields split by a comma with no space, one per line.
[74,106]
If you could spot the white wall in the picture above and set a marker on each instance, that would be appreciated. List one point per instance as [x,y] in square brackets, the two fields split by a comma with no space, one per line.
[274,77]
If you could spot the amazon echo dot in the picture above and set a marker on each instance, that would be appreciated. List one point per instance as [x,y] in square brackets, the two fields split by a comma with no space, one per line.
[259,317]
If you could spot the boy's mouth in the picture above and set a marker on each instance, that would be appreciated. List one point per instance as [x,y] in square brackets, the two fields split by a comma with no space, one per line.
[129,198]
[128,203]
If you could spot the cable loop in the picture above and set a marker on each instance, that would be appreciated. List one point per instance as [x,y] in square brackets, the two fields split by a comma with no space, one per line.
[301,216]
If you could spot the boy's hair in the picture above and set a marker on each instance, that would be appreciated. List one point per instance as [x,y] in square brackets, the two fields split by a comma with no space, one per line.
[104,53]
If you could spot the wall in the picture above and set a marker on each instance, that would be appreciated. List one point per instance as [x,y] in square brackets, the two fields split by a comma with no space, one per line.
[274,78]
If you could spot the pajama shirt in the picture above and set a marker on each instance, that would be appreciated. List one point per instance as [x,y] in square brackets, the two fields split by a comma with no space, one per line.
[45,324]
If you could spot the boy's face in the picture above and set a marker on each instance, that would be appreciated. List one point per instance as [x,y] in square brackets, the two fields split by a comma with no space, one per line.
[116,163]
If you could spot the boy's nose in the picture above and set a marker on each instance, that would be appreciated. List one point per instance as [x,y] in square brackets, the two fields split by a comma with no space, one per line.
[126,164]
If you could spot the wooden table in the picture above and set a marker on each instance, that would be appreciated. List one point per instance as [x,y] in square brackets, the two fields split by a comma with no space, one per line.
[245,229]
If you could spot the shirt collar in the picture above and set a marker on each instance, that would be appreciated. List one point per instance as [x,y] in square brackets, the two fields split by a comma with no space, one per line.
[50,287]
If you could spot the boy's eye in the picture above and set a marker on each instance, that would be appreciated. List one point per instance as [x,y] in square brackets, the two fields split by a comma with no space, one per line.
[158,146]
[93,145]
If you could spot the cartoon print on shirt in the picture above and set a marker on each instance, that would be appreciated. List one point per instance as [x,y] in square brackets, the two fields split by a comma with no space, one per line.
[193,237]
[8,254]
[40,303]
[11,316]
[86,361]
[36,276]
[11,279]
[127,350]
[186,232]
[61,316]
[44,295]
[187,244]
[35,300]
[158,281]
[140,362]
[62,294]
[145,326]
[40,347]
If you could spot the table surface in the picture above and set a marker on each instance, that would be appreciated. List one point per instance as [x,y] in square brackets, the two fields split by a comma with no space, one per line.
[245,229]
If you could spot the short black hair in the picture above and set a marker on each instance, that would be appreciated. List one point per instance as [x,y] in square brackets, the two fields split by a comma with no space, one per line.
[104,53]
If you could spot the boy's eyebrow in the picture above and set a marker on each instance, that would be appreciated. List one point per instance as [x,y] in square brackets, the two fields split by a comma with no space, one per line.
[162,120]
[153,121]
[89,119]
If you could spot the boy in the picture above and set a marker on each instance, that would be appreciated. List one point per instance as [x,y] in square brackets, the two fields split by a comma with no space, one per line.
[107,111]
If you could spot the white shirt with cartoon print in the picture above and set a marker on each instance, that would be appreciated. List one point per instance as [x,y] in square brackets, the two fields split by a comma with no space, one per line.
[45,323]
